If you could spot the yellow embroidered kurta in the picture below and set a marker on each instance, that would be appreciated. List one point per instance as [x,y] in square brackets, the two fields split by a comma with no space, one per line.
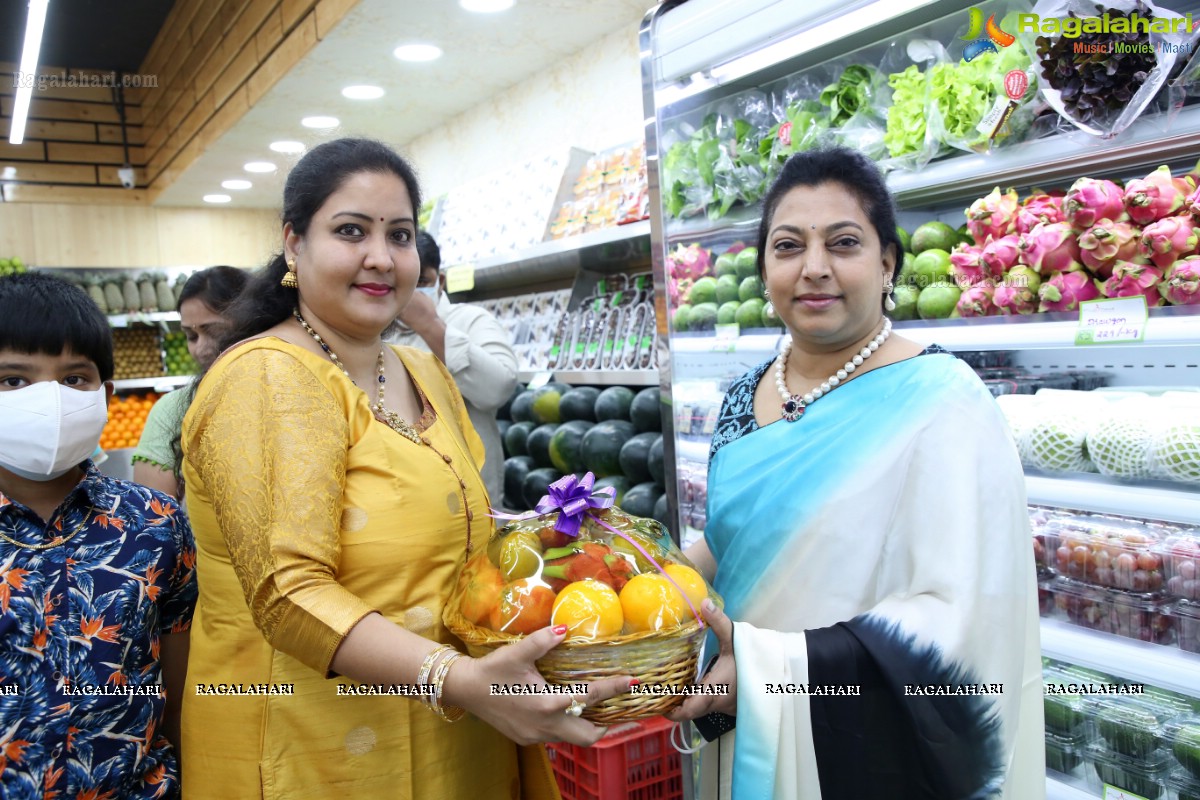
[308,515]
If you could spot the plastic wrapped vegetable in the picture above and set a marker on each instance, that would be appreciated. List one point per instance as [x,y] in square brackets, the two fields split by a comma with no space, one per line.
[629,598]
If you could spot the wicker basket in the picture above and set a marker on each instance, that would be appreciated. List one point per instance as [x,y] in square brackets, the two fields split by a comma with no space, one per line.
[666,658]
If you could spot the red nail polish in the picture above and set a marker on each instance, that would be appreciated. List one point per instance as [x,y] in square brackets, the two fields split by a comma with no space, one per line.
[559,630]
[634,682]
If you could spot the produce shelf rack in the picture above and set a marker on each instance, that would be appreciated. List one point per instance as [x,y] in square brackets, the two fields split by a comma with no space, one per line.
[1153,664]
[1171,502]
[632,377]
[161,383]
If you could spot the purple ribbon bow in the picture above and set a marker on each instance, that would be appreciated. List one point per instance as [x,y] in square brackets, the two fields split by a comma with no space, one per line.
[573,497]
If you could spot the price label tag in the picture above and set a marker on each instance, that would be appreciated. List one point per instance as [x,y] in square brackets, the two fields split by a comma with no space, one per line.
[539,380]
[163,388]
[729,331]
[1113,793]
[460,278]
[710,420]
[683,418]
[1110,321]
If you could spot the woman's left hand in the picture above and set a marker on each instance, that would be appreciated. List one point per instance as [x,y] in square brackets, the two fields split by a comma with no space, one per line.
[723,672]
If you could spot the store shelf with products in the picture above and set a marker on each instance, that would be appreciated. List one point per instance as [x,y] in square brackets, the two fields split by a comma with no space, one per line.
[138,318]
[162,383]
[1153,664]
[1057,790]
[1168,502]
[633,377]
[559,260]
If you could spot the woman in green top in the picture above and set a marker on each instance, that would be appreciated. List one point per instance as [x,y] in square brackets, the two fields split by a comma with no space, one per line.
[202,304]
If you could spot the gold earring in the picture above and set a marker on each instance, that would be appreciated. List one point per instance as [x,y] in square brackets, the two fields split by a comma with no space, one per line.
[288,281]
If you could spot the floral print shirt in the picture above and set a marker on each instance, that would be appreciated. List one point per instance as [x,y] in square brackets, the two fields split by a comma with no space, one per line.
[80,626]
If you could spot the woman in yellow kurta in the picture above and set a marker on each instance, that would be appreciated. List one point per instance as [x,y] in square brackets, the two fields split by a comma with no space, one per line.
[330,523]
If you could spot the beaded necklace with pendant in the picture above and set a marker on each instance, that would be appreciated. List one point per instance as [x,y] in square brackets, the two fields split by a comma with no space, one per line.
[794,404]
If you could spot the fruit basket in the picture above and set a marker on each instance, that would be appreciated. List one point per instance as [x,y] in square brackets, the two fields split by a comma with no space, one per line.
[628,596]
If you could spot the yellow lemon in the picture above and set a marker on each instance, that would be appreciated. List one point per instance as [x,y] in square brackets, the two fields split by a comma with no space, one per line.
[651,603]
[690,581]
[590,610]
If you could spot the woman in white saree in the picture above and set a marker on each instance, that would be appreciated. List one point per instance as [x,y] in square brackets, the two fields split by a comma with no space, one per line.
[867,527]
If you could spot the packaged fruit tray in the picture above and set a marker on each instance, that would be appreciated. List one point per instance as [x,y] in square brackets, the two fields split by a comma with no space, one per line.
[1144,777]
[628,596]
[1183,740]
[1067,754]
[1181,565]
[1184,786]
[1129,614]
[1187,621]
[1107,551]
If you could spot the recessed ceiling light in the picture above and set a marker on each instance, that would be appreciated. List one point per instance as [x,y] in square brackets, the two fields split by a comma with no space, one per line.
[362,92]
[486,6]
[236,184]
[259,166]
[417,52]
[320,122]
[287,146]
[217,198]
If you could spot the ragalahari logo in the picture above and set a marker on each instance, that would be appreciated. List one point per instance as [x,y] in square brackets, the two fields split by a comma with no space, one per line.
[984,38]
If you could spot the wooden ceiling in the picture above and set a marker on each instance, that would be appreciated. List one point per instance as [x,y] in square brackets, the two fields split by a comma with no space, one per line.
[211,61]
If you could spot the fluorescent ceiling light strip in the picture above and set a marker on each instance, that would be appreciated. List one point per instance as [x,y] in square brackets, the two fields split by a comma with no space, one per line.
[29,61]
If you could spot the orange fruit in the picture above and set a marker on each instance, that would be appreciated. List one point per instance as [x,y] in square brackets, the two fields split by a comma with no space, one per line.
[650,603]
[590,610]
[690,581]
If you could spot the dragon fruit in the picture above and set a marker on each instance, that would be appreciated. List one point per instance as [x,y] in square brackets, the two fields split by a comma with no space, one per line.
[1017,293]
[1169,239]
[1108,242]
[993,216]
[1050,247]
[965,265]
[1038,208]
[1000,255]
[1154,197]
[1066,290]
[1090,200]
[1192,204]
[1130,280]
[1181,284]
[976,300]
[691,261]
[679,289]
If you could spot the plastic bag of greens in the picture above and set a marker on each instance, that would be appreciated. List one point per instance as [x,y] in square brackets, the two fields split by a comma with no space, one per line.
[853,111]
[979,93]
[800,122]
[687,187]
[910,142]
[1101,81]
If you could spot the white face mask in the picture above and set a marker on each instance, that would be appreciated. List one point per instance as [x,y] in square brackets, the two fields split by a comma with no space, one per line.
[47,428]
[429,291]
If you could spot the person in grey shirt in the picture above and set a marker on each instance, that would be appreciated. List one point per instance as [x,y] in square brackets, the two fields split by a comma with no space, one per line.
[474,347]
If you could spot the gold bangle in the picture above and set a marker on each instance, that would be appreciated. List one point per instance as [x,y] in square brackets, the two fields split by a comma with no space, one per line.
[452,714]
[427,666]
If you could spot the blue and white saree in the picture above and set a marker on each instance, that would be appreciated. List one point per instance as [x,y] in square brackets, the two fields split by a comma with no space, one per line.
[875,556]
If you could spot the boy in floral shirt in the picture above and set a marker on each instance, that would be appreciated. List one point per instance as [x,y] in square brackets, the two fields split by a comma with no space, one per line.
[97,575]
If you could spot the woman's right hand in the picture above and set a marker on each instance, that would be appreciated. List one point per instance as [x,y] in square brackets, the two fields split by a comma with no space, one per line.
[526,718]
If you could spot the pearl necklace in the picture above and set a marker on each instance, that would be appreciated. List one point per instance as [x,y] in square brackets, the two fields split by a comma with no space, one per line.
[384,415]
[794,404]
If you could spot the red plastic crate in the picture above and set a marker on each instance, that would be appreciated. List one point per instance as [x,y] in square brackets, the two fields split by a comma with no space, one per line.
[638,763]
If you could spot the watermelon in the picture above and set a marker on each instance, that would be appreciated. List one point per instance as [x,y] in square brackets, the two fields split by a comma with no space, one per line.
[654,463]
[619,483]
[640,500]
[515,470]
[537,484]
[521,409]
[613,403]
[661,512]
[515,439]
[579,403]
[545,402]
[566,444]
[634,454]
[503,412]
[646,410]
[538,444]
[602,446]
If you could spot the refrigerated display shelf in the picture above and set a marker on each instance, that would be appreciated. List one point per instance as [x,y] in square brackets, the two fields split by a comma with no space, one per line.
[1057,790]
[605,250]
[1170,502]
[1178,325]
[1153,664]
[138,318]
[162,383]
[633,377]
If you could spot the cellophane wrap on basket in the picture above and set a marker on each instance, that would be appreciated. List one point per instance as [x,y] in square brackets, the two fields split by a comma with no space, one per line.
[630,599]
